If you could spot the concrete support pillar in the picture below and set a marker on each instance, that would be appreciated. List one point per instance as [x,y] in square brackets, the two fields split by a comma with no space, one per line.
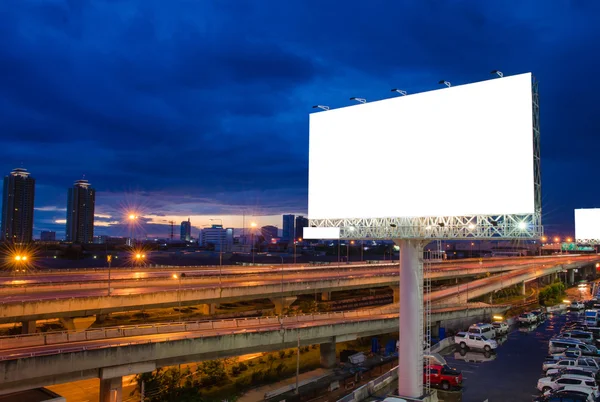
[100,318]
[410,351]
[571,276]
[208,309]
[328,358]
[282,303]
[111,390]
[28,327]
[78,323]
[396,290]
[326,296]
[523,288]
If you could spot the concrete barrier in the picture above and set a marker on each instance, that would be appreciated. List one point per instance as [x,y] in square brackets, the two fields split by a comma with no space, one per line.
[21,342]
[77,336]
[225,324]
[95,334]
[59,337]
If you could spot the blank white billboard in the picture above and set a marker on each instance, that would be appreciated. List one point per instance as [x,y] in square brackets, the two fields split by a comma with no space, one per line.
[587,224]
[321,233]
[457,151]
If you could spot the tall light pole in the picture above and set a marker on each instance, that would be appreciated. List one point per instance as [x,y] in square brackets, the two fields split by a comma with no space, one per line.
[299,240]
[132,218]
[220,248]
[252,225]
[109,260]
[178,277]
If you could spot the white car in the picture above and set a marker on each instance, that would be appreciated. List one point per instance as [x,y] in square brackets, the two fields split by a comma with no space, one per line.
[472,341]
[527,318]
[568,353]
[587,364]
[575,388]
[548,383]
[577,305]
[501,327]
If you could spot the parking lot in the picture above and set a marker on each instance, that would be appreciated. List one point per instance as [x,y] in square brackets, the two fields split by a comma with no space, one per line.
[510,374]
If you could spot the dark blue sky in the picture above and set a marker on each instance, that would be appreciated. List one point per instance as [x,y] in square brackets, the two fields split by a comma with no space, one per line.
[201,108]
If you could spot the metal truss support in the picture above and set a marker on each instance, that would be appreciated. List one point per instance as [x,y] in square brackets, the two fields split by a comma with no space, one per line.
[439,227]
[410,345]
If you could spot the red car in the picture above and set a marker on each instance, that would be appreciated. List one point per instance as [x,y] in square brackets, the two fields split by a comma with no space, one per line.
[443,376]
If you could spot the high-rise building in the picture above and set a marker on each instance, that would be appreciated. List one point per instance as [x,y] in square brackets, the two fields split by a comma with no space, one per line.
[301,223]
[47,235]
[81,203]
[186,230]
[17,206]
[288,227]
[269,232]
[218,237]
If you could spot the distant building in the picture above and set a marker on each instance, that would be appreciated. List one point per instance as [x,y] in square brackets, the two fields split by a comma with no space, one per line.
[186,230]
[17,206]
[269,232]
[81,202]
[217,237]
[288,227]
[301,223]
[47,235]
[102,239]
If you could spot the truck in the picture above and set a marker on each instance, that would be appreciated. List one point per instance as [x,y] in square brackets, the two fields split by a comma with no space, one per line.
[442,376]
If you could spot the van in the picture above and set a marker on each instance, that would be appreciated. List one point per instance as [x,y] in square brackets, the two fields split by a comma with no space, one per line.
[486,330]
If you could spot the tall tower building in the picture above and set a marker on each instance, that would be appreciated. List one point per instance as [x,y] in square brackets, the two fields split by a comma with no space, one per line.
[186,230]
[17,206]
[301,223]
[81,202]
[288,227]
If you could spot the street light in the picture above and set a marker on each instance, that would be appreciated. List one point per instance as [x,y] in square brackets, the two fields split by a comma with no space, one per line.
[348,251]
[296,241]
[446,83]
[499,73]
[400,91]
[20,262]
[321,107]
[178,277]
[132,218]
[360,100]
[252,225]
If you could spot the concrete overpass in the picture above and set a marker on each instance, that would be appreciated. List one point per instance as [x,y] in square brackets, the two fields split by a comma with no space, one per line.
[282,293]
[43,359]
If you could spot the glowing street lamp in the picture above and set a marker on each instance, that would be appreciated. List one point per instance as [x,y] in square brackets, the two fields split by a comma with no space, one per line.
[132,218]
[556,239]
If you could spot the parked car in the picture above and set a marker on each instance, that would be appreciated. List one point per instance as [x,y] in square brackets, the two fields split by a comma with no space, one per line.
[583,336]
[443,376]
[557,372]
[568,353]
[501,327]
[567,395]
[472,341]
[539,315]
[577,305]
[587,364]
[486,330]
[547,383]
[561,344]
[527,318]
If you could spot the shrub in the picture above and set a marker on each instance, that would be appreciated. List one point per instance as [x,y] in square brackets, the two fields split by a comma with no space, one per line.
[282,354]
[242,366]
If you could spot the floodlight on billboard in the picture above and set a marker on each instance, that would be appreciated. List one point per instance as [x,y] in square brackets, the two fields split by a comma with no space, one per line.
[462,161]
[587,226]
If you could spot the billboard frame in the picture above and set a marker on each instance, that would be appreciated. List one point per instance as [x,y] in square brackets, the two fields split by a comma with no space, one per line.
[469,227]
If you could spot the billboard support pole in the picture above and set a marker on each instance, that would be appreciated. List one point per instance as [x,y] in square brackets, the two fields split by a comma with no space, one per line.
[410,345]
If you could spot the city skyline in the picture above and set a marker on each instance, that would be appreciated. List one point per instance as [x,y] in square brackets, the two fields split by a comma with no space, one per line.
[150,121]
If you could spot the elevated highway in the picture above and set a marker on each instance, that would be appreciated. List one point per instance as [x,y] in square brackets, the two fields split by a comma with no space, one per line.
[36,360]
[36,306]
